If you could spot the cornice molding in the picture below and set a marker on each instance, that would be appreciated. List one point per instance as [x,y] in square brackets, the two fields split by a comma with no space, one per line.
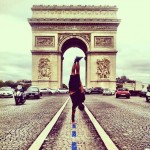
[102,52]
[73,7]
[34,52]
[71,21]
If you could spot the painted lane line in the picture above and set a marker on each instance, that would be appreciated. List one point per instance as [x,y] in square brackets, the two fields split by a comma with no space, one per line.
[105,138]
[74,146]
[73,133]
[40,139]
[74,126]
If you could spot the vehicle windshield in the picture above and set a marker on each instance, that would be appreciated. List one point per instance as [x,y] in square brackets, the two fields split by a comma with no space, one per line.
[5,89]
[33,89]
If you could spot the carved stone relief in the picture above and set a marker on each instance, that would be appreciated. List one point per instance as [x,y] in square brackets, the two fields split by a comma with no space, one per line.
[85,36]
[76,28]
[44,69]
[103,68]
[45,41]
[103,41]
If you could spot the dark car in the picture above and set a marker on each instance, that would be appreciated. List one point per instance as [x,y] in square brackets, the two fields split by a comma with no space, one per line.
[122,92]
[143,93]
[97,90]
[33,91]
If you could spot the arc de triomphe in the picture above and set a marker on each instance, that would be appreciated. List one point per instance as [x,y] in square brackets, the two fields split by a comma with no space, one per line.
[91,28]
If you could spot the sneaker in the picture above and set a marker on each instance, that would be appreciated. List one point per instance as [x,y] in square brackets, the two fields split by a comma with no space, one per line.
[77,59]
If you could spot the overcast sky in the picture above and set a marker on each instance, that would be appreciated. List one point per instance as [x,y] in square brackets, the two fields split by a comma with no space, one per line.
[133,38]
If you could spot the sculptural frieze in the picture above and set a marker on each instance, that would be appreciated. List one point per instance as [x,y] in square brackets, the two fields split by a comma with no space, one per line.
[103,41]
[75,28]
[103,68]
[63,36]
[45,41]
[44,69]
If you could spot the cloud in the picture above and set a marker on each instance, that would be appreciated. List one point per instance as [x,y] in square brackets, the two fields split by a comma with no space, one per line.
[132,38]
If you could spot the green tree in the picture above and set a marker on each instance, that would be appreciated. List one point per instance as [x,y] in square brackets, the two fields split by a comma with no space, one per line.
[10,83]
[1,83]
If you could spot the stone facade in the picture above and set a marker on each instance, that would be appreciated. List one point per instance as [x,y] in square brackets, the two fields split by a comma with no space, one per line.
[91,28]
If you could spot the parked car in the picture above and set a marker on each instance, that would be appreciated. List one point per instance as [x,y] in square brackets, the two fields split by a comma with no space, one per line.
[143,93]
[122,92]
[62,90]
[54,91]
[45,91]
[97,90]
[148,96]
[87,90]
[33,91]
[6,92]
[107,91]
[113,92]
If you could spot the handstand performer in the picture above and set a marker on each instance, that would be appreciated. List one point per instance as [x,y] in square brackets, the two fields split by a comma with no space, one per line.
[76,88]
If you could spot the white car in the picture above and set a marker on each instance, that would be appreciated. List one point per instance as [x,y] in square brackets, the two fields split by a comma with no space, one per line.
[45,91]
[54,91]
[6,92]
[107,92]
[87,90]
[61,90]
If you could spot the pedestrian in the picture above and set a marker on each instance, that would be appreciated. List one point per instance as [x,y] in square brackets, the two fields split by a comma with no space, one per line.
[76,90]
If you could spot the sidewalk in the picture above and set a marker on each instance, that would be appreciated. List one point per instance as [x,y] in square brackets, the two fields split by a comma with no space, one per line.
[65,136]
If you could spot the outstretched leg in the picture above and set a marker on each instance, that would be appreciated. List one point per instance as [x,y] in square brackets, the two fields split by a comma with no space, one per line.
[73,69]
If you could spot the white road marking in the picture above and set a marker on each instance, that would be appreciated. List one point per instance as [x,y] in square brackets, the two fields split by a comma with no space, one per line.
[105,138]
[40,139]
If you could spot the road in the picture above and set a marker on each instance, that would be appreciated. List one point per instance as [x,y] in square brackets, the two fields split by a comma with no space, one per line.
[126,121]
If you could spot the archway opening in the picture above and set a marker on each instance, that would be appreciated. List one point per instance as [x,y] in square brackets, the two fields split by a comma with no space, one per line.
[68,61]
[70,49]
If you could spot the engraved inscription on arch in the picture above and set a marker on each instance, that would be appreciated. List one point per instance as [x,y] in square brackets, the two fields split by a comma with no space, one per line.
[45,41]
[103,68]
[103,41]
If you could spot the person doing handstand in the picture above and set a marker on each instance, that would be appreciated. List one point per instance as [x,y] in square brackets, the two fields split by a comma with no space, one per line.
[76,90]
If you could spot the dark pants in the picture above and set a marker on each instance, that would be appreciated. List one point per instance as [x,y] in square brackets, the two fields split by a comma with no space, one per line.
[77,99]
[74,85]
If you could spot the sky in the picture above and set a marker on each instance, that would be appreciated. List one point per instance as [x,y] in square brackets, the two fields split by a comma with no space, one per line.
[133,41]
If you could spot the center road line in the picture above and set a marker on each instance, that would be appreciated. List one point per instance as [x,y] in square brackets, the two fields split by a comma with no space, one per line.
[106,139]
[40,139]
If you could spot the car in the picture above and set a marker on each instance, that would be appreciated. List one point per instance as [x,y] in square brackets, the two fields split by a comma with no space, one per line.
[148,96]
[97,90]
[122,92]
[54,91]
[33,91]
[107,91]
[113,92]
[45,91]
[6,92]
[62,90]
[143,93]
[87,90]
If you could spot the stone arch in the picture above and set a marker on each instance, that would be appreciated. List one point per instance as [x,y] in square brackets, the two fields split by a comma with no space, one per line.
[93,29]
[74,41]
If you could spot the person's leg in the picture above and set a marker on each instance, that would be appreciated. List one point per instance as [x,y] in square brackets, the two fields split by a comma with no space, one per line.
[77,68]
[73,69]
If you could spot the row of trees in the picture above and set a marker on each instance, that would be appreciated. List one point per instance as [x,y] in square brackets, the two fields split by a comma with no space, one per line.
[13,84]
[26,83]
